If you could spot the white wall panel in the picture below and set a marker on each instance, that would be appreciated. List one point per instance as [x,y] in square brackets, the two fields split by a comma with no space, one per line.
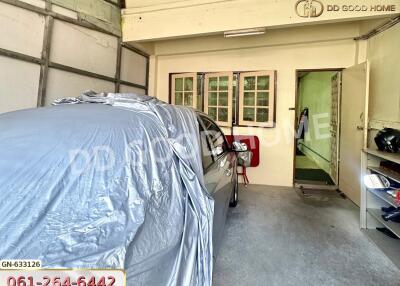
[21,30]
[130,89]
[133,67]
[84,49]
[64,11]
[19,84]
[65,84]
[38,3]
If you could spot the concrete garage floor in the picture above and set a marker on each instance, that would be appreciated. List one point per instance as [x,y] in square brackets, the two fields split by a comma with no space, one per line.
[277,236]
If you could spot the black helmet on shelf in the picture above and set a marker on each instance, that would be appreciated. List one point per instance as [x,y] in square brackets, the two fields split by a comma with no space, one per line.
[388,139]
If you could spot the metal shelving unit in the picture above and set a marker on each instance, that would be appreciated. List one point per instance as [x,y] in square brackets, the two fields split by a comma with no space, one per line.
[384,155]
[393,226]
[385,197]
[393,176]
[373,200]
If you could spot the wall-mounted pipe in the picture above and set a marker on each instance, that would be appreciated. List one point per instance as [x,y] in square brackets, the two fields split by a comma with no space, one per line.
[379,29]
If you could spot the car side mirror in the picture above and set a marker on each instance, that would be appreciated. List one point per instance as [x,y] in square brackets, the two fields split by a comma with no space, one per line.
[239,147]
[217,151]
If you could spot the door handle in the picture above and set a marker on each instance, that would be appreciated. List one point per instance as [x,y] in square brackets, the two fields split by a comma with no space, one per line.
[362,128]
[228,172]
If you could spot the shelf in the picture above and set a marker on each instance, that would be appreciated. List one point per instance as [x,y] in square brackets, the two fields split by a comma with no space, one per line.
[393,157]
[389,246]
[385,196]
[393,226]
[391,175]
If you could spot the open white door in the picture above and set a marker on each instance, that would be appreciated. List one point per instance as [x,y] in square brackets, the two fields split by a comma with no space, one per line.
[355,81]
[335,124]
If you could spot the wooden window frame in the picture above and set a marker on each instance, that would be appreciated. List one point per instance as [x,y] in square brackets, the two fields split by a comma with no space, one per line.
[207,76]
[184,75]
[271,101]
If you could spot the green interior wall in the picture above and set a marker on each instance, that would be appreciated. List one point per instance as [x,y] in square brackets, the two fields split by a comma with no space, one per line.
[315,93]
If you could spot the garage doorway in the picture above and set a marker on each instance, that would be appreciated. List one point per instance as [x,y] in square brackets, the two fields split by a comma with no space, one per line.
[317,128]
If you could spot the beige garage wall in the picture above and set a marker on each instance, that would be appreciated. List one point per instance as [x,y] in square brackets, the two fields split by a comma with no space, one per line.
[277,144]
[384,56]
[159,20]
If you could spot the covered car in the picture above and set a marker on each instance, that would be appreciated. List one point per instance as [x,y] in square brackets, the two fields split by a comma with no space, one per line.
[114,184]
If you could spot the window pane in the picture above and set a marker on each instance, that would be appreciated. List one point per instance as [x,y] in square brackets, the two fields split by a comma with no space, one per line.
[188,84]
[223,99]
[212,112]
[205,148]
[249,83]
[212,98]
[263,82]
[248,114]
[262,98]
[188,98]
[178,98]
[223,83]
[249,99]
[223,114]
[213,83]
[215,134]
[262,115]
[178,84]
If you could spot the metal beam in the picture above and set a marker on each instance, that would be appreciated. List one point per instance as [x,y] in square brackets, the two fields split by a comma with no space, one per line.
[44,68]
[118,71]
[128,83]
[81,72]
[19,56]
[147,75]
[92,74]
[135,50]
[379,29]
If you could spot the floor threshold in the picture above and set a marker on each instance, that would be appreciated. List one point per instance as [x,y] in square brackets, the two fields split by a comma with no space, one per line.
[315,186]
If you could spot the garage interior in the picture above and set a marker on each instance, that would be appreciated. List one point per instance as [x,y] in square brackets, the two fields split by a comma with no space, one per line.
[306,218]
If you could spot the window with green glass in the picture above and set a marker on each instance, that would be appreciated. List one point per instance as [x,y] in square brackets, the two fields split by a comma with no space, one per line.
[256,98]
[184,89]
[218,97]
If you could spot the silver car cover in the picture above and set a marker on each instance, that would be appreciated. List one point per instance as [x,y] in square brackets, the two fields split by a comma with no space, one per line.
[116,184]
